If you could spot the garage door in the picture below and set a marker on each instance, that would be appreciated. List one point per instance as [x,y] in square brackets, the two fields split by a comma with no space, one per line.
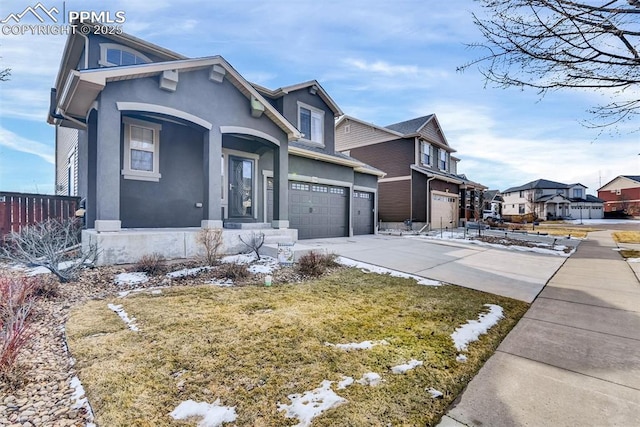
[315,210]
[363,221]
[444,210]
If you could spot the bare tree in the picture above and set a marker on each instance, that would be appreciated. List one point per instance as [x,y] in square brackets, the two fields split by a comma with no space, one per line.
[556,44]
[532,204]
[52,244]
[254,242]
[4,74]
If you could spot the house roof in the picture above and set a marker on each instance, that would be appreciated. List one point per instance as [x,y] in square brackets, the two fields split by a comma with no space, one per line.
[538,184]
[82,87]
[493,195]
[547,197]
[410,126]
[76,42]
[633,177]
[448,177]
[277,93]
[588,199]
[304,150]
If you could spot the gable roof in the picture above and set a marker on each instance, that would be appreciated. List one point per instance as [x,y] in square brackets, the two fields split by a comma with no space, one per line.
[277,93]
[82,87]
[410,126]
[490,195]
[381,128]
[538,184]
[75,45]
[633,177]
[301,149]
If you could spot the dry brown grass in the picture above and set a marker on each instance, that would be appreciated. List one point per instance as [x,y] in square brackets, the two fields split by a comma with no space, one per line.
[561,229]
[627,236]
[630,253]
[252,346]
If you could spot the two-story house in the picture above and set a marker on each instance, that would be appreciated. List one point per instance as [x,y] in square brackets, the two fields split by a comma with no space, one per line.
[551,200]
[621,195]
[422,181]
[160,145]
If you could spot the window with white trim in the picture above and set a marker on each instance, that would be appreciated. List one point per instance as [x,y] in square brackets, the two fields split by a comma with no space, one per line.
[113,55]
[311,123]
[426,152]
[443,160]
[577,193]
[141,150]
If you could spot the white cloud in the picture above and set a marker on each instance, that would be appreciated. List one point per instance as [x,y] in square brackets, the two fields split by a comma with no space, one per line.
[15,142]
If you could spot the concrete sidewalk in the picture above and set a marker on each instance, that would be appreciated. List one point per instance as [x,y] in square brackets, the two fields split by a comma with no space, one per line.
[573,359]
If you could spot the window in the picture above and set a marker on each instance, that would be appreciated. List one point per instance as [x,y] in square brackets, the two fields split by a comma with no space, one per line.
[559,191]
[141,150]
[521,208]
[426,153]
[112,55]
[577,193]
[311,123]
[443,160]
[522,194]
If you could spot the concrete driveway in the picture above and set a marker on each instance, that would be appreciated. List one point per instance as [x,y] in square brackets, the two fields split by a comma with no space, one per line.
[514,274]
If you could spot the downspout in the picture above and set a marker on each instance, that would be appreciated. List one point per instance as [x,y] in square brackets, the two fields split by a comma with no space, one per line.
[428,216]
[86,49]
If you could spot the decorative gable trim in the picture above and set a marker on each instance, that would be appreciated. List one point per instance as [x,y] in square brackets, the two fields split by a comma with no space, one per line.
[161,109]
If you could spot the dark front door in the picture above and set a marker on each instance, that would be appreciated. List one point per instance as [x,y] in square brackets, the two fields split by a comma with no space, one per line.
[241,197]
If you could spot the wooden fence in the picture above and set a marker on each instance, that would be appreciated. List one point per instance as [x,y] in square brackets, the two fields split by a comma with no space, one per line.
[18,210]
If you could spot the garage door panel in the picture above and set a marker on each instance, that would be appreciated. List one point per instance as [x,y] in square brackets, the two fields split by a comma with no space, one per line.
[318,211]
[363,213]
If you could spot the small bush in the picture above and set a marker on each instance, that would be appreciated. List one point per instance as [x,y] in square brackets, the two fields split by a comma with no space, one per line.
[253,242]
[315,264]
[233,271]
[152,264]
[17,297]
[211,239]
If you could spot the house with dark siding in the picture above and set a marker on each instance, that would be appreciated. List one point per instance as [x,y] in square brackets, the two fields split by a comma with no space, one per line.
[422,183]
[159,146]
[621,196]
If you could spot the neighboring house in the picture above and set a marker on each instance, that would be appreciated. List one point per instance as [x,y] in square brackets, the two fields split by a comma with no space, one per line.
[622,195]
[551,200]
[492,204]
[161,143]
[422,181]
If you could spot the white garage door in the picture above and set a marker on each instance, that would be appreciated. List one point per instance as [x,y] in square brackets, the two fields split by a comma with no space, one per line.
[444,210]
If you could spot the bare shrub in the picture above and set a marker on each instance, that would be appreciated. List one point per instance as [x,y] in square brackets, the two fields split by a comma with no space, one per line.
[211,239]
[17,297]
[233,271]
[153,264]
[53,244]
[315,264]
[254,242]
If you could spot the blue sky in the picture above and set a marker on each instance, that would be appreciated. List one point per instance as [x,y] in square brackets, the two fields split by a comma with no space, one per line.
[381,61]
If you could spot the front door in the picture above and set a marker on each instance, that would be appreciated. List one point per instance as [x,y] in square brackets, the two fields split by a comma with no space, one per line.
[241,197]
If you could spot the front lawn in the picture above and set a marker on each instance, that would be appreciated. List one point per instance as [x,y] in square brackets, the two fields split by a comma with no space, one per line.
[626,236]
[253,347]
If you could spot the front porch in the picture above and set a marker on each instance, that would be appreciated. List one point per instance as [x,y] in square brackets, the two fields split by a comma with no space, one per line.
[128,245]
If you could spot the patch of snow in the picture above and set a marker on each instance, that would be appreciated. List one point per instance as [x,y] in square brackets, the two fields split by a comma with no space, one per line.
[370,378]
[130,322]
[156,290]
[223,283]
[436,394]
[472,330]
[603,221]
[461,358]
[35,271]
[346,382]
[364,345]
[134,278]
[633,259]
[239,259]
[80,401]
[309,405]
[411,364]
[186,272]
[370,268]
[211,414]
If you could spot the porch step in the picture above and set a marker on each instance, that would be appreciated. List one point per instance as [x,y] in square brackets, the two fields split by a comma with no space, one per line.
[246,225]
[271,249]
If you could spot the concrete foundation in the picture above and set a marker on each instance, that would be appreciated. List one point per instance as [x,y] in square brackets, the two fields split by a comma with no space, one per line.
[129,245]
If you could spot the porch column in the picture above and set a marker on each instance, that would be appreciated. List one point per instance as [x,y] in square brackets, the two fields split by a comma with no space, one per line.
[108,169]
[281,186]
[212,217]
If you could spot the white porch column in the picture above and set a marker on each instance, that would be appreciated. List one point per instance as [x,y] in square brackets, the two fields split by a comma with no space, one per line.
[281,186]
[212,179]
[108,169]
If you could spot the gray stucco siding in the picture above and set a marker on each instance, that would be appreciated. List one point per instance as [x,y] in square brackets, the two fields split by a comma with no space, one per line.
[171,202]
[315,168]
[365,180]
